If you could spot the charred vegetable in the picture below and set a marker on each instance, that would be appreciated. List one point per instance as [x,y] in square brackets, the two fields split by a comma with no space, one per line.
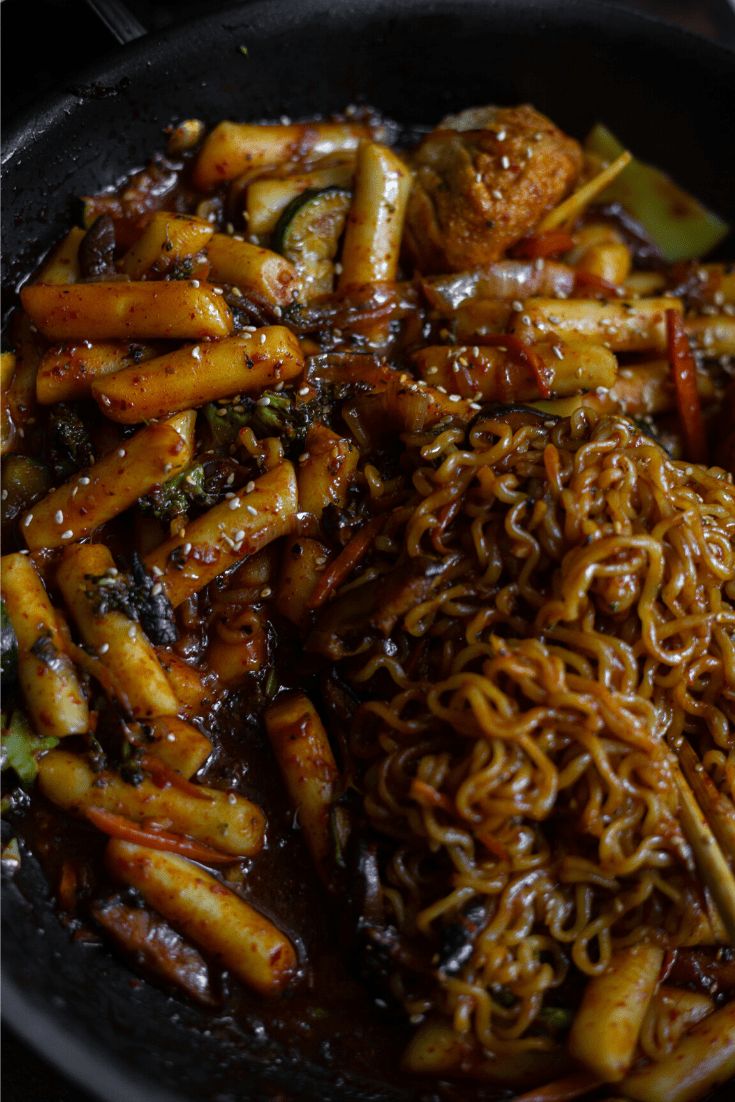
[137,596]
[71,445]
[177,495]
[8,648]
[274,413]
[97,250]
[308,234]
[25,480]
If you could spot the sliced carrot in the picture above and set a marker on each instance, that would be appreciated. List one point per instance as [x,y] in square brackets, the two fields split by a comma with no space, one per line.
[585,282]
[522,354]
[684,371]
[540,245]
[117,826]
[492,845]
[68,886]
[349,557]
[427,796]
[163,775]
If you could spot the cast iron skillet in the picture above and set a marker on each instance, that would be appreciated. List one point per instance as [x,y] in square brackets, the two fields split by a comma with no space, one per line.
[667,94]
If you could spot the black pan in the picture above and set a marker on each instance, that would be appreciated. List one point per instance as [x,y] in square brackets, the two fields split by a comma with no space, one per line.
[667,95]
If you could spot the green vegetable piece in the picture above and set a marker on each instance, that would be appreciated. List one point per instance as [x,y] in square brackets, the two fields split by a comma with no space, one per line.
[556,1018]
[11,856]
[677,223]
[176,495]
[273,414]
[19,747]
[8,649]
[308,234]
[25,481]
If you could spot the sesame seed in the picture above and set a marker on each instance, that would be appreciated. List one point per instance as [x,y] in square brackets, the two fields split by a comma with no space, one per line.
[28,520]
[432,371]
[496,193]
[251,510]
[156,572]
[516,305]
[104,648]
[4,495]
[455,398]
[186,549]
[59,516]
[277,312]
[218,291]
[236,292]
[84,481]
[266,591]
[240,536]
[303,391]
[264,401]
[121,452]
[505,162]
[556,349]
[285,120]
[157,590]
[249,487]
[262,338]
[303,457]
[195,282]
[234,504]
[67,535]
[196,352]
[501,135]
[230,228]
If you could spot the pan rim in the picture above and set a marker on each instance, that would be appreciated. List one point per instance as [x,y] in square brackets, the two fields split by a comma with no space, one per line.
[88,1062]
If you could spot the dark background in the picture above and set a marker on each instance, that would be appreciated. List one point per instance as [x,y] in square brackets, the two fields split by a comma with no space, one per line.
[44,43]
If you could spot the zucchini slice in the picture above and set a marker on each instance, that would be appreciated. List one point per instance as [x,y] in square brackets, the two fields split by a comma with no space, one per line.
[308,234]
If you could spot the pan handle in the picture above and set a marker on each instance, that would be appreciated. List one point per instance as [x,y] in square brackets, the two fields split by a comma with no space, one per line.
[118,19]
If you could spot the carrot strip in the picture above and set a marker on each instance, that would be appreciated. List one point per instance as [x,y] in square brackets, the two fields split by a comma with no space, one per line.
[68,885]
[444,518]
[117,826]
[522,354]
[561,1090]
[492,845]
[537,246]
[684,371]
[425,795]
[163,775]
[345,563]
[589,281]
